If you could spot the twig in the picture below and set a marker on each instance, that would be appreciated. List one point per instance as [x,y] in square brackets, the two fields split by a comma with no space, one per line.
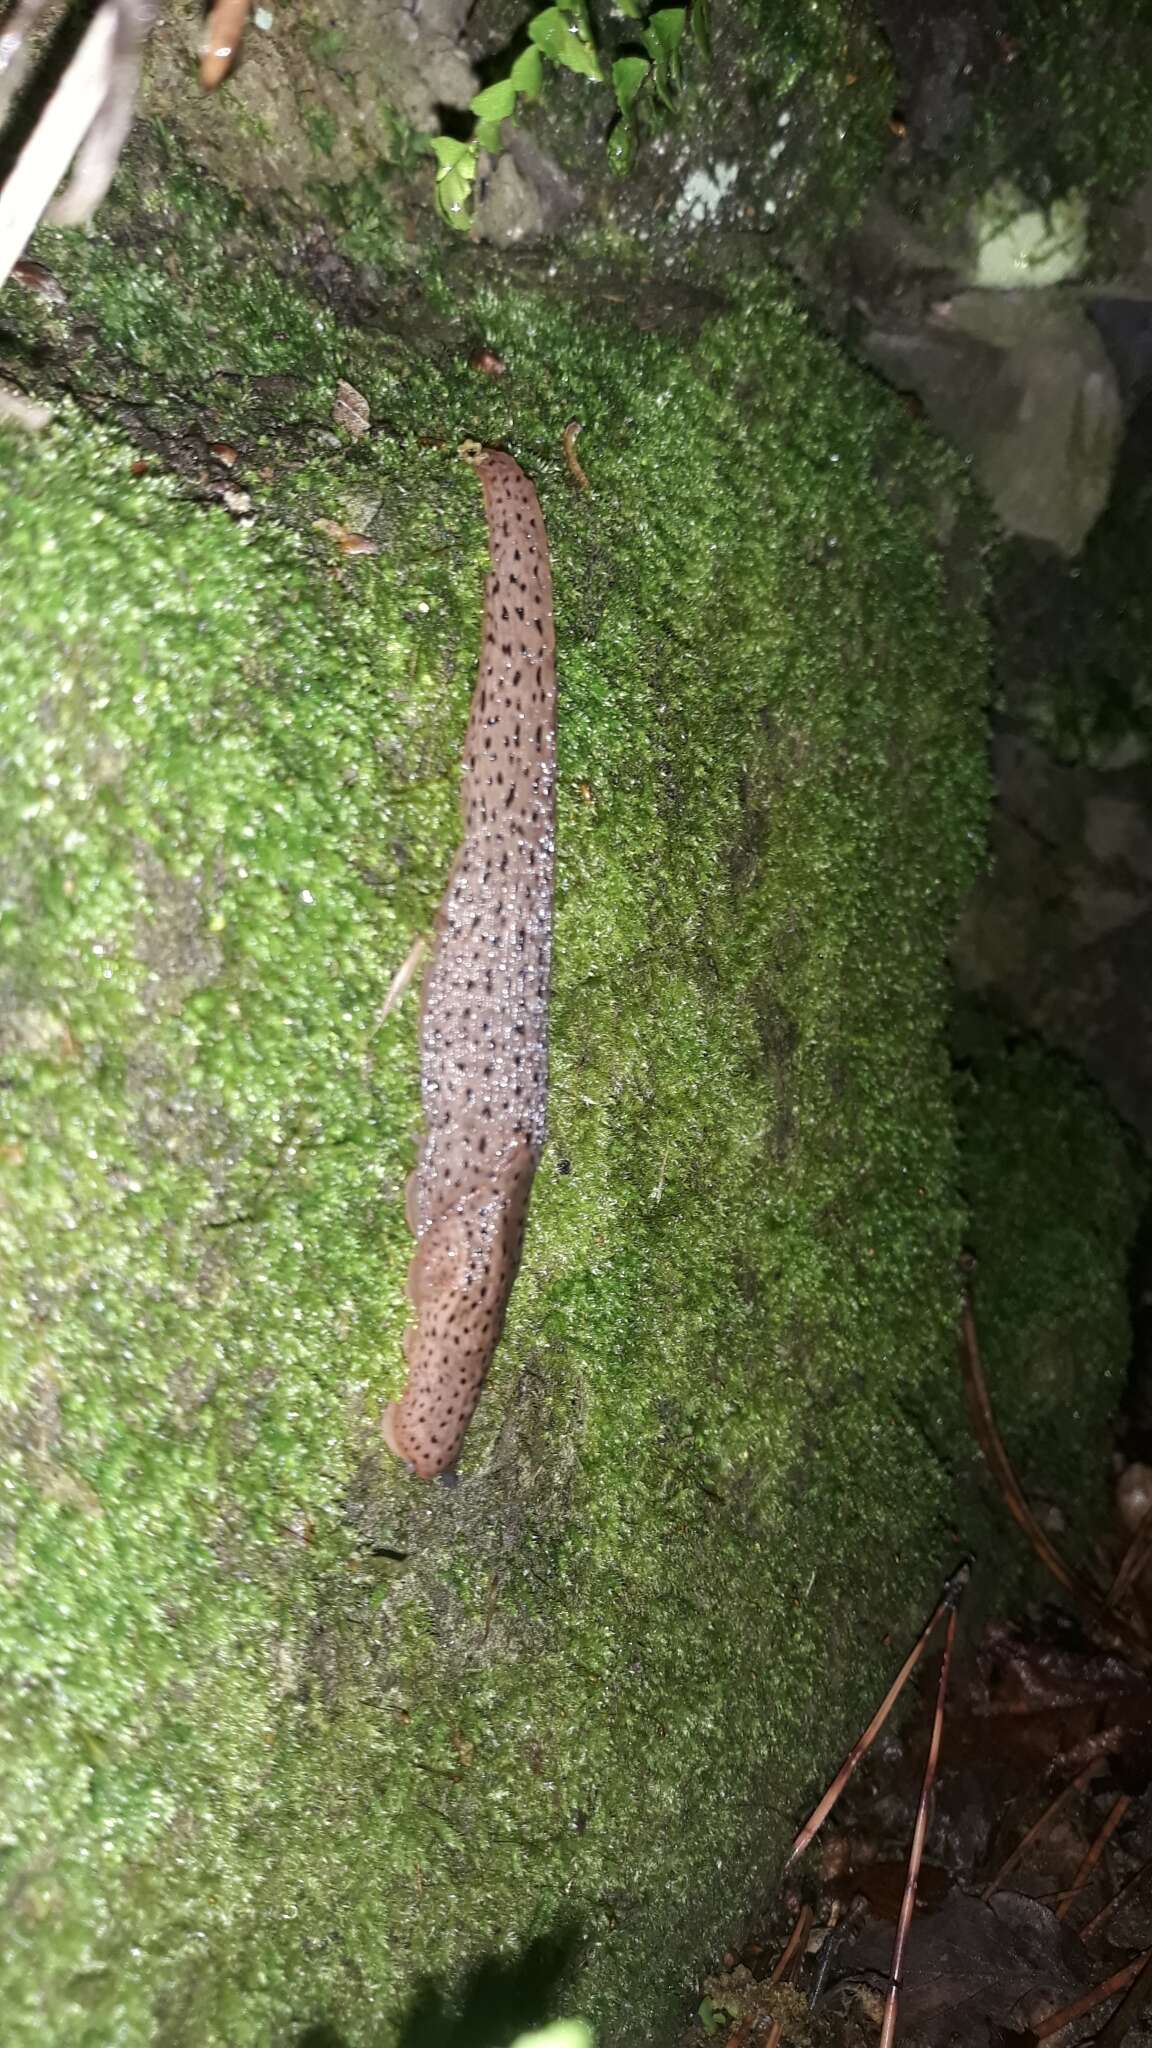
[827,1949]
[991,1443]
[494,1591]
[403,975]
[1096,1849]
[1136,1555]
[1129,2009]
[908,1902]
[1111,1629]
[786,1967]
[1054,1898]
[946,1604]
[1118,1981]
[793,1949]
[1106,1911]
[570,456]
[1038,1827]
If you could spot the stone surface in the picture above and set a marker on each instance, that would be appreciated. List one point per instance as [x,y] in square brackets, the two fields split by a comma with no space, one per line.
[1022,382]
[524,197]
[1058,933]
[315,97]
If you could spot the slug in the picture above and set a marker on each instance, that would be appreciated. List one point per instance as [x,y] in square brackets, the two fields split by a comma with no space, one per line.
[484,1021]
[223,31]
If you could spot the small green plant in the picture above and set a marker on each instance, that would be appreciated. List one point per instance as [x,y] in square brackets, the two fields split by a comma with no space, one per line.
[564,36]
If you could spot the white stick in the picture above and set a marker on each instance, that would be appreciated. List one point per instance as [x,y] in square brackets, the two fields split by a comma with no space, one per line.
[56,137]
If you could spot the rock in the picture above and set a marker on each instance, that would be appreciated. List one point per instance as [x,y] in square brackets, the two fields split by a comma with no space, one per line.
[525,195]
[1023,247]
[302,105]
[1119,830]
[1125,327]
[1021,382]
[1058,935]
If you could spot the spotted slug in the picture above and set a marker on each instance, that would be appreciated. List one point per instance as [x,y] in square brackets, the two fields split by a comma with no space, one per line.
[484,1022]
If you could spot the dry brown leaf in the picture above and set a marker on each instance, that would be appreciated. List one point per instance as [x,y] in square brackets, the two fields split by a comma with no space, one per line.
[350,409]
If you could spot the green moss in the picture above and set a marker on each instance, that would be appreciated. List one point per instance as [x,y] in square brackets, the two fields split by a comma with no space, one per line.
[320,128]
[826,63]
[1055,1187]
[328,45]
[274,1757]
[362,213]
[1070,102]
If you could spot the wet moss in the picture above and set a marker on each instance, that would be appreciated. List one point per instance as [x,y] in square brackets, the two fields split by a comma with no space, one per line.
[286,1731]
[1071,102]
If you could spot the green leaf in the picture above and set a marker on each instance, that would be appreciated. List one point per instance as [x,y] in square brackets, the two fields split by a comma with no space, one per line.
[496,102]
[448,152]
[632,8]
[667,29]
[621,148]
[454,181]
[663,37]
[527,73]
[562,38]
[489,135]
[628,75]
[702,27]
[452,199]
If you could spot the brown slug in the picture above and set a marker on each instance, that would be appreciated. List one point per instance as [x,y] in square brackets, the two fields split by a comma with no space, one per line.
[484,1022]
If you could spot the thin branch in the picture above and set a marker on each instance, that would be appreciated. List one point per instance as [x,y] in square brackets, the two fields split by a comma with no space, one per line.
[1088,2000]
[1096,1849]
[1110,1628]
[946,1604]
[1129,2009]
[794,1946]
[404,974]
[1135,1557]
[919,1834]
[793,1949]
[1106,1911]
[1038,1827]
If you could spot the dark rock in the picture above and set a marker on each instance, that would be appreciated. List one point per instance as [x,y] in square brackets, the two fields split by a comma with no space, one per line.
[1059,933]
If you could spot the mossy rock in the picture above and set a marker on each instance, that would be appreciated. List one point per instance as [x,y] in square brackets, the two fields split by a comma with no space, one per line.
[290,1736]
